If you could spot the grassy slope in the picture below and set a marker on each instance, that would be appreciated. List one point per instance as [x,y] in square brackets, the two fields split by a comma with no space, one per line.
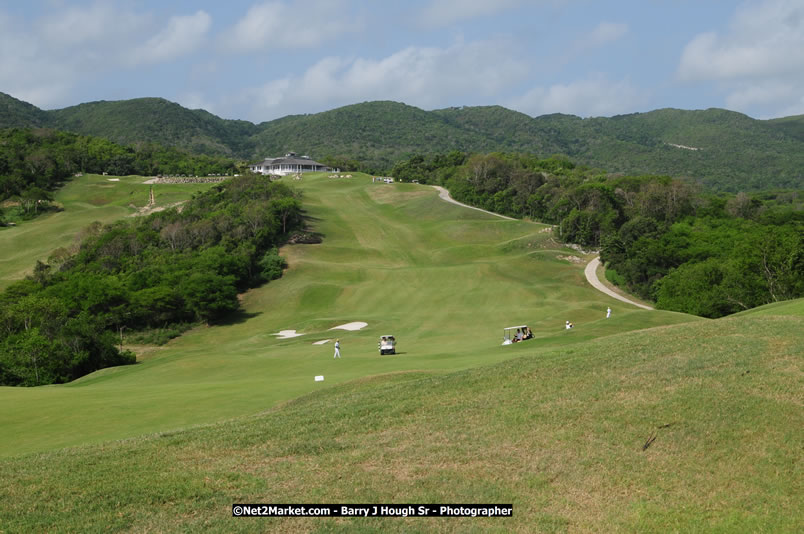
[558,433]
[444,279]
[555,427]
[85,199]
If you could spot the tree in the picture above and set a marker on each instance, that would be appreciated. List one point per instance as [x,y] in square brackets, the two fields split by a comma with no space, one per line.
[287,210]
[271,265]
[209,295]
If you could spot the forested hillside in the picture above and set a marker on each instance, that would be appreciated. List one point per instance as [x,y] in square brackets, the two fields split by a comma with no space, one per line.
[33,162]
[723,150]
[720,148]
[155,120]
[167,270]
[15,112]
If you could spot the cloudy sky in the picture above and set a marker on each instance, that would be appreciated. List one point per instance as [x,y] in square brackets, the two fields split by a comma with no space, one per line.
[259,60]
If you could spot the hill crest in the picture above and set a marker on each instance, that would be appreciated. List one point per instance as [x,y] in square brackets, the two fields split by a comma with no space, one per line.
[734,151]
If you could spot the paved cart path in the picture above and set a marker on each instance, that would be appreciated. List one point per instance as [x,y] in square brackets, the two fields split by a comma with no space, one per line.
[444,194]
[591,268]
[591,277]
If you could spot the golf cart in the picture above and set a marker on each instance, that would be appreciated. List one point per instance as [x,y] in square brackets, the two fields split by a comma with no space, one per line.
[509,334]
[387,345]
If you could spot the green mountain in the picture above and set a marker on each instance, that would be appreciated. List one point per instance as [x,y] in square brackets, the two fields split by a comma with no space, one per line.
[792,126]
[376,132]
[724,150]
[16,113]
[159,121]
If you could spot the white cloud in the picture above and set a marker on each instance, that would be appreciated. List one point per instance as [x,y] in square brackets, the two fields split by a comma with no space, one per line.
[298,24]
[181,35]
[604,33]
[24,72]
[43,59]
[593,97]
[760,94]
[764,39]
[97,23]
[445,12]
[758,59]
[423,77]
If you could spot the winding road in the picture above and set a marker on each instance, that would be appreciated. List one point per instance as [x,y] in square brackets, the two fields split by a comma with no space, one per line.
[591,276]
[444,195]
[591,268]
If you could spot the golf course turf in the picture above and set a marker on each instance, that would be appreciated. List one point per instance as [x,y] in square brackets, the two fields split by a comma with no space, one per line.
[557,425]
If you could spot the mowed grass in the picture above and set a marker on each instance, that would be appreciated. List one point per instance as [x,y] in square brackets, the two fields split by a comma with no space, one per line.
[85,199]
[444,279]
[687,428]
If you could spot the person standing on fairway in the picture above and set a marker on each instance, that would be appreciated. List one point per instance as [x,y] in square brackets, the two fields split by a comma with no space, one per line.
[337,349]
[608,312]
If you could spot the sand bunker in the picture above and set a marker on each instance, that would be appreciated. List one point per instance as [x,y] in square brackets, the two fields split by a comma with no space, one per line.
[286,334]
[321,342]
[113,179]
[356,325]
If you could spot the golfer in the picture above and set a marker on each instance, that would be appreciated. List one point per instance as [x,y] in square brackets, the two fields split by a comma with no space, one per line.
[337,349]
[608,313]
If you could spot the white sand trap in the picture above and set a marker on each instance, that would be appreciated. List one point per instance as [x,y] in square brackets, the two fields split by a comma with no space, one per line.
[322,342]
[356,325]
[113,179]
[286,334]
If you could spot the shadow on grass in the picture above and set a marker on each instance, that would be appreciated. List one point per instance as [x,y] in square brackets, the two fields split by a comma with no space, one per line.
[236,317]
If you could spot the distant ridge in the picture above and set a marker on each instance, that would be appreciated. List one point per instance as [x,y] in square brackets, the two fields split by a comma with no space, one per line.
[723,149]
[16,113]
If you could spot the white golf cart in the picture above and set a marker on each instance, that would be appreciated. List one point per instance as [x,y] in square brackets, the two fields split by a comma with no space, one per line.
[509,334]
[387,345]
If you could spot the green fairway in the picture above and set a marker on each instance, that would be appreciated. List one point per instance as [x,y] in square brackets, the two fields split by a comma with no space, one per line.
[634,423]
[444,279]
[85,199]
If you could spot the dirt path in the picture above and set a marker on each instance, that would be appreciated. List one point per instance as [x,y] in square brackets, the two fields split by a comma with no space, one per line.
[591,277]
[444,194]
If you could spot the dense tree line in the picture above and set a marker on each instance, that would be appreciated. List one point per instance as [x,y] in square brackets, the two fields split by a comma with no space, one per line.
[172,267]
[726,151]
[33,162]
[666,239]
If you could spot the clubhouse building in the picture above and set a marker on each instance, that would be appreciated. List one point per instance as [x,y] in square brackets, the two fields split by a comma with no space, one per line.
[289,164]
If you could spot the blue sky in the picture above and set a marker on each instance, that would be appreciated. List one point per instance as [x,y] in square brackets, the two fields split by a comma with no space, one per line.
[260,60]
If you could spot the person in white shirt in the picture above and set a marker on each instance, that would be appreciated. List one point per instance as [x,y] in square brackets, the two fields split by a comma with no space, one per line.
[608,313]
[337,348]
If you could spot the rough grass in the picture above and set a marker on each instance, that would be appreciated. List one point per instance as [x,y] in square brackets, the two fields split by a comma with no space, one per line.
[560,434]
